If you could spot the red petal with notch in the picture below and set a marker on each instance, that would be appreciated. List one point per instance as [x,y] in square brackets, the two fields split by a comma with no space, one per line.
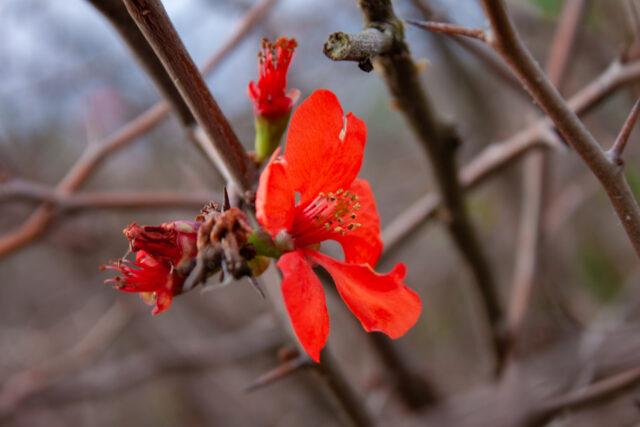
[324,150]
[305,301]
[363,244]
[382,302]
[275,199]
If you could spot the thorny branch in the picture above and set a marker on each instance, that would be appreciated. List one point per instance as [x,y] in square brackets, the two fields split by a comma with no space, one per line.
[615,153]
[94,154]
[508,43]
[500,155]
[439,141]
[117,14]
[153,21]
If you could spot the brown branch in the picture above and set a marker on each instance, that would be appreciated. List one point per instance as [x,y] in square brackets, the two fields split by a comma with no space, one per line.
[93,156]
[284,370]
[605,389]
[440,143]
[450,29]
[117,14]
[23,385]
[535,185]
[416,392]
[615,153]
[351,403]
[19,189]
[115,377]
[500,155]
[508,43]
[151,18]
[480,51]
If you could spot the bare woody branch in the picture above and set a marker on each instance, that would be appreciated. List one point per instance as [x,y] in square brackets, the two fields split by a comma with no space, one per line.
[25,190]
[480,51]
[117,14]
[534,181]
[604,389]
[440,142]
[450,29]
[615,153]
[507,42]
[157,28]
[500,155]
[93,156]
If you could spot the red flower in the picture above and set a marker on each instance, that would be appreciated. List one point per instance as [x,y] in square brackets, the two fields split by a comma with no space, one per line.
[268,95]
[323,155]
[162,254]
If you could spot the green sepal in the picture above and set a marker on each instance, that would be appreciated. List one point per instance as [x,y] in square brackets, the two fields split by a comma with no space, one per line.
[269,132]
[264,245]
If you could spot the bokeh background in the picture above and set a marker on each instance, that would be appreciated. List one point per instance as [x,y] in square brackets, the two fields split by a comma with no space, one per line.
[68,80]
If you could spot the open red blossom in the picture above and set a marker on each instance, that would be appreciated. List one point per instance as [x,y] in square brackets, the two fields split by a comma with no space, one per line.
[322,158]
[269,93]
[162,256]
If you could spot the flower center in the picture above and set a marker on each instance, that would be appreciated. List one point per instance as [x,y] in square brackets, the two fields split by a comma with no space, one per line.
[327,213]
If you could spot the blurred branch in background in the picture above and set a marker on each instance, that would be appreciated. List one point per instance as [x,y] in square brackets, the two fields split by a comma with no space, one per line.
[535,180]
[70,379]
[94,154]
[34,192]
[506,41]
[22,386]
[116,13]
[499,155]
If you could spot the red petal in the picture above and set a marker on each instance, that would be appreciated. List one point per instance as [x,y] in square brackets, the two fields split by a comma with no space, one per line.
[381,302]
[363,244]
[305,301]
[163,301]
[319,158]
[275,199]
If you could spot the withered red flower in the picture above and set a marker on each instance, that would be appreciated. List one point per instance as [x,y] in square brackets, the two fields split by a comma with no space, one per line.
[163,255]
[322,158]
[269,93]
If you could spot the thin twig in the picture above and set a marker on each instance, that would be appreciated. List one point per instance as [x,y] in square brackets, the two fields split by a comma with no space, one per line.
[605,389]
[152,19]
[116,377]
[615,153]
[93,156]
[534,177]
[23,385]
[500,155]
[25,190]
[284,370]
[450,29]
[478,50]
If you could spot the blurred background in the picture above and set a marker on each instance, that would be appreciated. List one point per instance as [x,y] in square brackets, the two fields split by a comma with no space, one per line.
[75,352]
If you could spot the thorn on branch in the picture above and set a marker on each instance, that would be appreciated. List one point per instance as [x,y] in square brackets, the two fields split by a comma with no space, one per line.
[450,29]
[285,369]
[616,151]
